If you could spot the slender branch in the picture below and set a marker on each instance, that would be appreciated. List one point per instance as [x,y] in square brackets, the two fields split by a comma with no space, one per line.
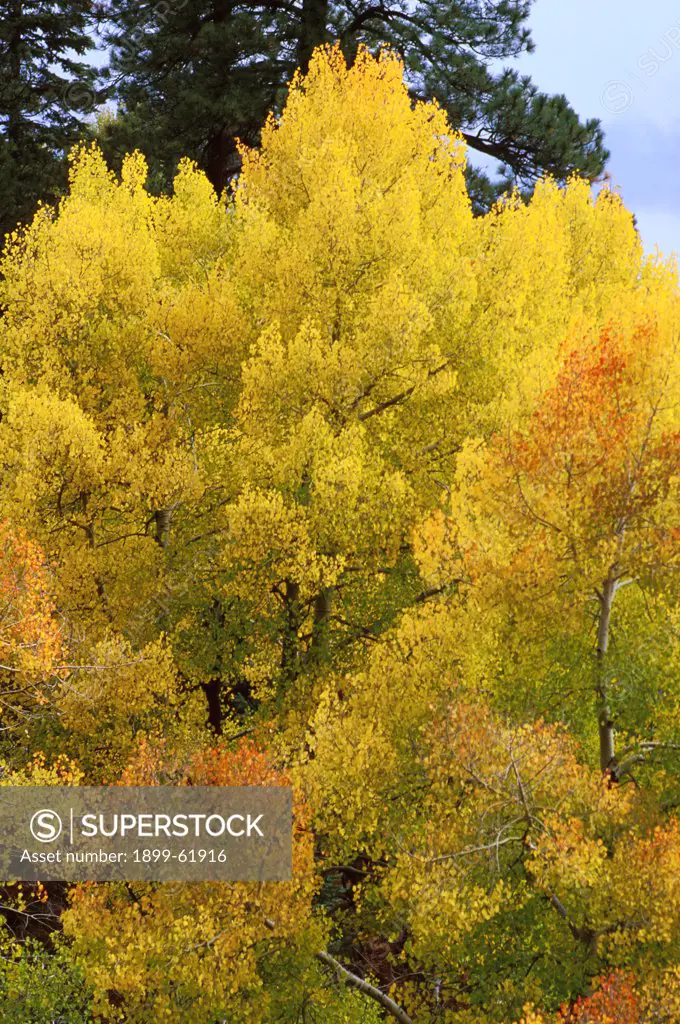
[402,396]
[354,981]
[425,595]
[387,404]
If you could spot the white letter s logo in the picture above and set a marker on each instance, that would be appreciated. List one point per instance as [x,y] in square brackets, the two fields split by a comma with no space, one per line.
[46,826]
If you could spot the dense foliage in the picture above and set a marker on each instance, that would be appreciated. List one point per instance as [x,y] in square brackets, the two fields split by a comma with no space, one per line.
[192,75]
[392,490]
[185,78]
[46,86]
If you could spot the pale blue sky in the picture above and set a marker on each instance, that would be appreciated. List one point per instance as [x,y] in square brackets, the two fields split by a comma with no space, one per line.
[619,60]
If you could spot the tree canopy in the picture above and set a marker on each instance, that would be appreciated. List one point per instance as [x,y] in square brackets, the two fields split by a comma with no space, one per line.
[325,481]
[192,77]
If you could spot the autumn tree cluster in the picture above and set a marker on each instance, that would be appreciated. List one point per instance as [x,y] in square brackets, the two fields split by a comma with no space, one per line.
[331,483]
[187,78]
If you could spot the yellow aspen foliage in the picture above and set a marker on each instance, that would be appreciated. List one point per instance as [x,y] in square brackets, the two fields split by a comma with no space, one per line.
[465,828]
[572,521]
[331,462]
[102,405]
[39,771]
[161,949]
[123,696]
[545,268]
[321,342]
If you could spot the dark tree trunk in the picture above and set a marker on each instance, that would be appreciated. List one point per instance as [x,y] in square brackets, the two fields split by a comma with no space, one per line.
[290,647]
[221,160]
[14,45]
[313,30]
[213,688]
[322,611]
[162,522]
[605,723]
[213,696]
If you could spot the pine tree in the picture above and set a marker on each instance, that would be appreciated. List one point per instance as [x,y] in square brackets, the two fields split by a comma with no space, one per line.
[194,74]
[45,90]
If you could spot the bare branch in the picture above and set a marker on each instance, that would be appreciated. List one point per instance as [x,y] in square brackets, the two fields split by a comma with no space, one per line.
[354,981]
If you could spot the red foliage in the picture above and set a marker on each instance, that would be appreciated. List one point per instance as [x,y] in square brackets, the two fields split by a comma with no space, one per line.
[613,1002]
